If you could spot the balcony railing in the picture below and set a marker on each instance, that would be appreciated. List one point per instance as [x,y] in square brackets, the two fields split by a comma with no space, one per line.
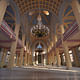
[8,30]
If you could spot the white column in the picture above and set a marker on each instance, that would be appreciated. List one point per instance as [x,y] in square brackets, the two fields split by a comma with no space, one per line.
[76,60]
[13,47]
[25,59]
[37,58]
[67,56]
[58,58]
[33,59]
[22,50]
[66,49]
[44,59]
[3,58]
[18,63]
[53,60]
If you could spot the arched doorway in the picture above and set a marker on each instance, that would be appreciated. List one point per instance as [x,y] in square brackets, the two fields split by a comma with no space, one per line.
[39,55]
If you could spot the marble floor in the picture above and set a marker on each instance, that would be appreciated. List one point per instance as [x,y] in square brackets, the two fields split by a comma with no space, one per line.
[40,73]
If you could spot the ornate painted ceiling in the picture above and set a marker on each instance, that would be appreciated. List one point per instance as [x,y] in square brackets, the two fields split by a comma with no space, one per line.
[28,5]
[30,10]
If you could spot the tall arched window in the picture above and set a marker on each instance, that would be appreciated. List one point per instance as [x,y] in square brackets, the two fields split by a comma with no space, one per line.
[39,46]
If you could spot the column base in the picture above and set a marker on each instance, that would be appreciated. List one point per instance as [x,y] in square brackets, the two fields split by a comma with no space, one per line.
[68,68]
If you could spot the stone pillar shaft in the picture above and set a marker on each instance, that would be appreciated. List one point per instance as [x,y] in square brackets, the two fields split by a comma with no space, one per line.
[36,58]
[25,59]
[3,58]
[62,60]
[67,56]
[18,57]
[77,64]
[13,47]
[53,58]
[22,50]
[58,58]
[28,58]
[65,47]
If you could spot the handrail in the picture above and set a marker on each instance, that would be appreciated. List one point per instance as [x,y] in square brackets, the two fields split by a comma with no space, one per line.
[69,32]
[7,29]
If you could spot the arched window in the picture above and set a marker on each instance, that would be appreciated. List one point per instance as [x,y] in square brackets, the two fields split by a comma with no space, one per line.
[39,46]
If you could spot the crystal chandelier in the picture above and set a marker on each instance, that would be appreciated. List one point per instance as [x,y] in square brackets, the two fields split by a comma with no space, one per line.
[40,30]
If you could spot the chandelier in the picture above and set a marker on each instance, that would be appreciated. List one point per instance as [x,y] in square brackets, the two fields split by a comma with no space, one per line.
[40,30]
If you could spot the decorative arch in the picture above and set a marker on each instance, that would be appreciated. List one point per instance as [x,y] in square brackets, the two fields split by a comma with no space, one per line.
[16,11]
[68,17]
[61,11]
[9,17]
[37,42]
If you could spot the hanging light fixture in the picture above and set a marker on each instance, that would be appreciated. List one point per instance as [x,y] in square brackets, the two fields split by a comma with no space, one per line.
[40,30]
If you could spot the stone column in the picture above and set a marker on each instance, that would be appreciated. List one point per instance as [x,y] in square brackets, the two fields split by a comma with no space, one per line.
[13,47]
[18,63]
[3,6]
[26,55]
[25,59]
[28,58]
[37,58]
[62,60]
[58,58]
[33,58]
[76,9]
[66,49]
[53,58]
[22,50]
[45,59]
[3,58]
[77,64]
[57,53]
[67,56]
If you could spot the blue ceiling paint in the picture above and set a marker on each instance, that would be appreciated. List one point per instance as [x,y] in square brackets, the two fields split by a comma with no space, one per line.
[9,18]
[43,20]
[6,15]
[64,27]
[11,21]
[67,10]
[34,22]
[67,21]
[71,14]
[9,8]
[69,25]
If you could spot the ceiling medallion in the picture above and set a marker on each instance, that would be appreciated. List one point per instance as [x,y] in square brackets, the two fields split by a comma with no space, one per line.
[40,30]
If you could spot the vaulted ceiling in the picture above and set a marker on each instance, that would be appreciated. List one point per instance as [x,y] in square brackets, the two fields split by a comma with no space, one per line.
[33,6]
[30,9]
[28,5]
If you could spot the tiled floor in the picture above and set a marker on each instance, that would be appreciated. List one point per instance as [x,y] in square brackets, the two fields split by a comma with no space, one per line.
[40,73]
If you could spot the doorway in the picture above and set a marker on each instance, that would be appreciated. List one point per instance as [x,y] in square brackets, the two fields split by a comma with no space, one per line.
[39,58]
